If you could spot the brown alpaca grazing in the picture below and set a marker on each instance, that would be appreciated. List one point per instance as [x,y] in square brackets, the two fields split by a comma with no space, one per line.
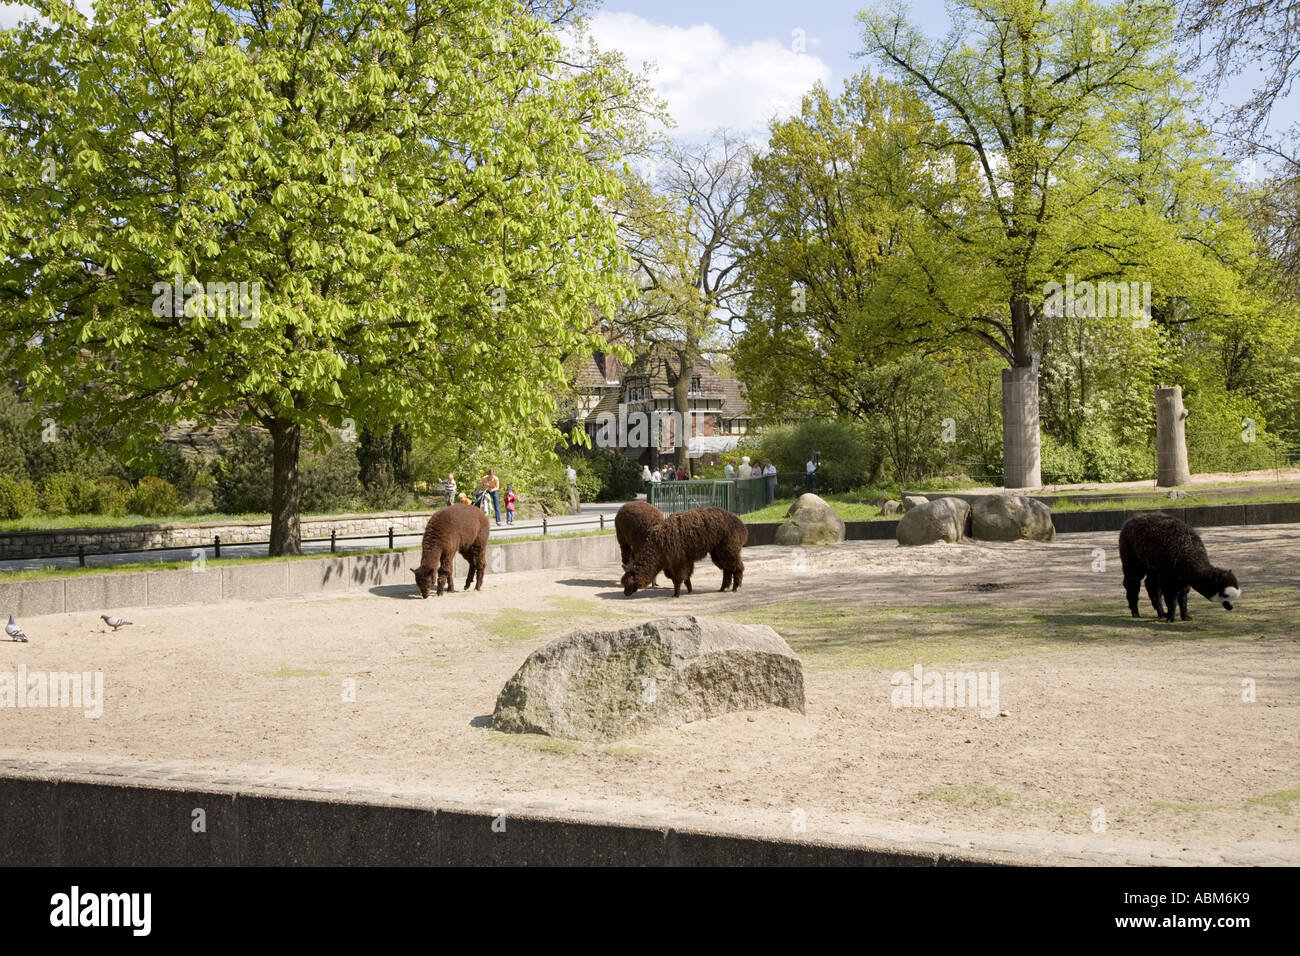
[684,538]
[632,525]
[460,528]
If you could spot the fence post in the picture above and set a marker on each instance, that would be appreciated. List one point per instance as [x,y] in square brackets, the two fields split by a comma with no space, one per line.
[333,532]
[216,546]
[543,527]
[602,521]
[81,555]
[390,537]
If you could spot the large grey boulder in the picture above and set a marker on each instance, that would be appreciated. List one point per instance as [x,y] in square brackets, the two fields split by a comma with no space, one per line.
[914,501]
[810,521]
[602,685]
[891,507]
[1011,518]
[943,519]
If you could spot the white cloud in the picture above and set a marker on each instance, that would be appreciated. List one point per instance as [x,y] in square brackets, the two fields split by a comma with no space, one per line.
[11,13]
[708,82]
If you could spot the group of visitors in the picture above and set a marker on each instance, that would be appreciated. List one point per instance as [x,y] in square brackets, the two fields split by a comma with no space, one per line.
[488,489]
[668,473]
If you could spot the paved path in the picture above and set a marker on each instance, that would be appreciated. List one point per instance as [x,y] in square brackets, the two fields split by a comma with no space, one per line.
[589,520]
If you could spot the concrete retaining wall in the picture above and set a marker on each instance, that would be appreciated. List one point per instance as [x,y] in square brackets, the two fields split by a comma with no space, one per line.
[62,822]
[210,583]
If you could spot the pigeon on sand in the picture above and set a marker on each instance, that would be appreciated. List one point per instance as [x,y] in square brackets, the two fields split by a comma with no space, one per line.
[113,622]
[14,631]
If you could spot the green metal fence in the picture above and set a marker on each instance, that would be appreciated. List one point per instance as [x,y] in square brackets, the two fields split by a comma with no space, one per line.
[670,496]
[740,496]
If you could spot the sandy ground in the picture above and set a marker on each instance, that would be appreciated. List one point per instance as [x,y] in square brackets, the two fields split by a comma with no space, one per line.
[1118,736]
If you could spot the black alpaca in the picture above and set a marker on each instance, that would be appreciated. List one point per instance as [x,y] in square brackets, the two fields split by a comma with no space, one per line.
[1170,557]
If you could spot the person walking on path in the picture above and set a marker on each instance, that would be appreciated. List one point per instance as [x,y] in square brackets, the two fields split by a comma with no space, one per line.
[490,483]
[812,472]
[449,489]
[681,473]
[756,470]
[769,473]
[729,471]
[511,498]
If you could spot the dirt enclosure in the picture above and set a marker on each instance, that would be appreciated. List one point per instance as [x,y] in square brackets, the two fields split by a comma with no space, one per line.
[1112,738]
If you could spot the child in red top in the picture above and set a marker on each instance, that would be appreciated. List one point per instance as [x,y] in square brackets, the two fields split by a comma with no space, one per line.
[511,498]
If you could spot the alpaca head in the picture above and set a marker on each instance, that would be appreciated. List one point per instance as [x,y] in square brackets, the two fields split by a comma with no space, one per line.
[423,579]
[1229,589]
[632,581]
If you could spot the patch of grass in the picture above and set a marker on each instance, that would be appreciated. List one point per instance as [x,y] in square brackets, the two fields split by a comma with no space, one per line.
[287,671]
[541,743]
[517,624]
[1281,800]
[975,796]
[1182,807]
[850,507]
[1165,504]
[626,750]
[840,635]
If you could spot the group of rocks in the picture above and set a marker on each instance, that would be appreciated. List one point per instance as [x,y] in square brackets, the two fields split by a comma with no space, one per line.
[811,521]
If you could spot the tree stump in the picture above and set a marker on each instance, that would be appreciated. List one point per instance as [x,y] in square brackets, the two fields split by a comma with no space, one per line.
[1171,437]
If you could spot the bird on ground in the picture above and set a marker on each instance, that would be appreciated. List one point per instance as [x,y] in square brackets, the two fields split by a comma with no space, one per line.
[14,631]
[113,622]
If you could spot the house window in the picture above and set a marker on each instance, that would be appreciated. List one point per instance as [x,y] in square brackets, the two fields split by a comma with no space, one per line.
[695,385]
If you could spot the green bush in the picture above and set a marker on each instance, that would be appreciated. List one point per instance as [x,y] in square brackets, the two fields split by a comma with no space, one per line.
[1062,464]
[847,458]
[1226,432]
[1106,459]
[111,495]
[241,473]
[607,476]
[153,497]
[67,493]
[329,480]
[17,497]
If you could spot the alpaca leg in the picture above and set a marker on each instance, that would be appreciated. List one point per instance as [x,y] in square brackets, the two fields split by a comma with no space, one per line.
[726,580]
[1170,590]
[1182,605]
[447,568]
[677,587]
[1133,588]
[480,566]
[737,574]
[1153,592]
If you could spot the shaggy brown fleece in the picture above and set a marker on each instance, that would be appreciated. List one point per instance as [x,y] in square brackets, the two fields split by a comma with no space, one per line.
[632,525]
[1171,557]
[674,546]
[460,528]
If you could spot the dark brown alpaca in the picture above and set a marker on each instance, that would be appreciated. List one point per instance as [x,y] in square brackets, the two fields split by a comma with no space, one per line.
[684,538]
[632,525]
[460,528]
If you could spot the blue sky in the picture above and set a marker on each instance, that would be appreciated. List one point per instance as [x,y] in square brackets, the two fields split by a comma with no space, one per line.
[733,63]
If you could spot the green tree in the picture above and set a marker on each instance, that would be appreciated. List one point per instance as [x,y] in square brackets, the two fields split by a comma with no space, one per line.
[1035,99]
[374,210]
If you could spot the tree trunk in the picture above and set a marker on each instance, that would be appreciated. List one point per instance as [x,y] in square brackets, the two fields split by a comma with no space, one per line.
[682,401]
[286,533]
[1021,449]
[1021,446]
[1171,437]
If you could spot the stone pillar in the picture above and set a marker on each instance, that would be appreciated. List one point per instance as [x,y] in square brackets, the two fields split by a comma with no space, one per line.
[1171,437]
[1021,447]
